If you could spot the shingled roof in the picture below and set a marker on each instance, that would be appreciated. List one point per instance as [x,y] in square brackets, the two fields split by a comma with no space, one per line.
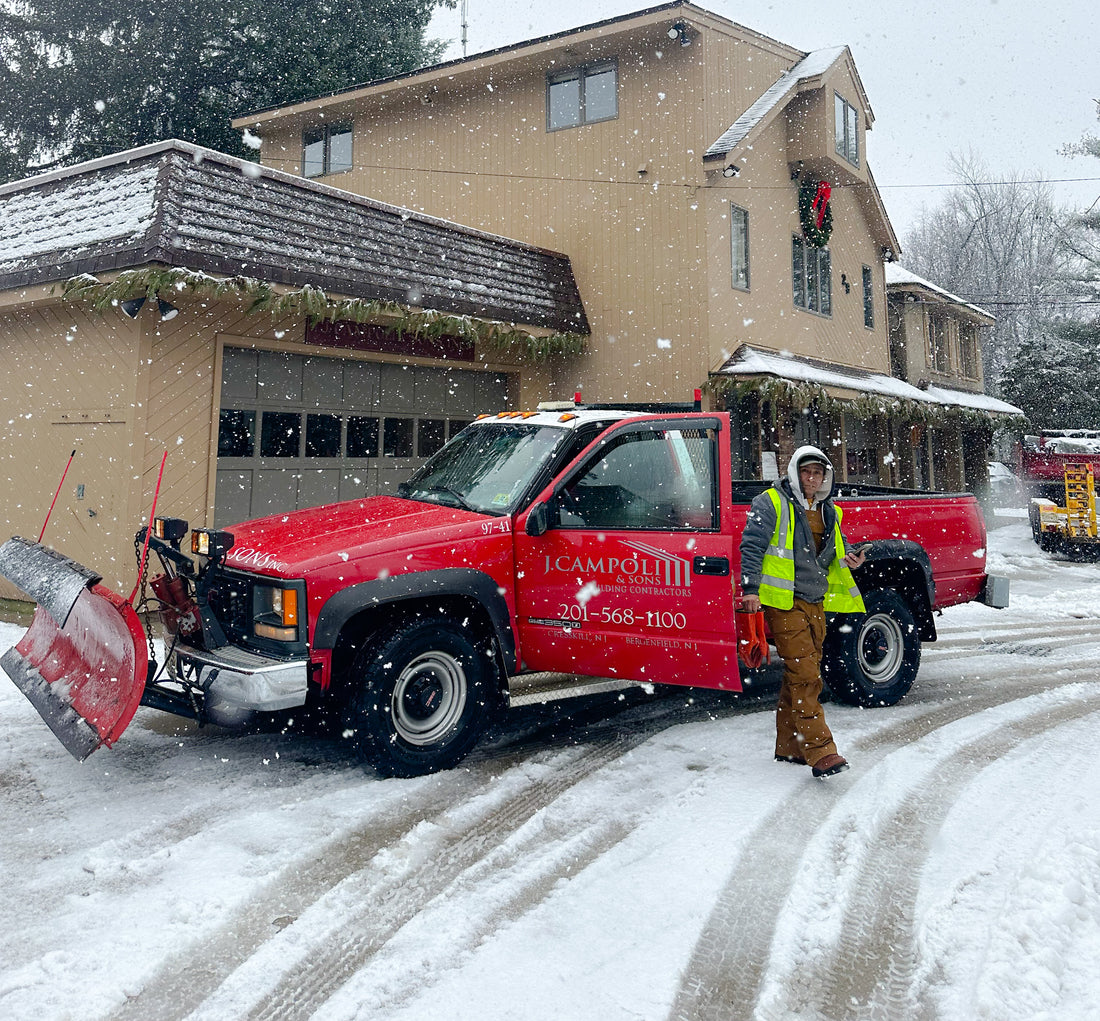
[181,205]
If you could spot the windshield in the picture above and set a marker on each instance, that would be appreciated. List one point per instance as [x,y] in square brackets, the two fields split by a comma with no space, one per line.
[485,468]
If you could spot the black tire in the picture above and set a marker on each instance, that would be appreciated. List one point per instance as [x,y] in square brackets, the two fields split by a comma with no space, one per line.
[1033,520]
[424,695]
[871,659]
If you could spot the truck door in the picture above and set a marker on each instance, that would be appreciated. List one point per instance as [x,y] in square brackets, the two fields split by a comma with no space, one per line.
[631,576]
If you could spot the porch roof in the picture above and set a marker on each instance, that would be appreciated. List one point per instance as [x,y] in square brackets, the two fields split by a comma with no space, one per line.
[850,382]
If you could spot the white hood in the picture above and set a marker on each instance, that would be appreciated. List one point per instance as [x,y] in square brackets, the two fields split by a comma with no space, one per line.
[792,475]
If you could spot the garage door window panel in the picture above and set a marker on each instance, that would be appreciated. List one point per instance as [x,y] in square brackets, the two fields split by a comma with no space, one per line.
[431,434]
[397,437]
[323,435]
[236,433]
[362,436]
[280,434]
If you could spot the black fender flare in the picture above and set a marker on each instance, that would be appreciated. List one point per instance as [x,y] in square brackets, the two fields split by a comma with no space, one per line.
[881,570]
[452,581]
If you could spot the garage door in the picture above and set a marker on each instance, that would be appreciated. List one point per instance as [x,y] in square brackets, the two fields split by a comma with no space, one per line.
[298,431]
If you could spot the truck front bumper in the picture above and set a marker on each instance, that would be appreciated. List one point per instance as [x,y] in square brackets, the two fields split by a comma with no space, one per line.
[245,680]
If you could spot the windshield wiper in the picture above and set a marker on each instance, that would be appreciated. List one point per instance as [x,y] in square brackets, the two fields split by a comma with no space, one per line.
[407,491]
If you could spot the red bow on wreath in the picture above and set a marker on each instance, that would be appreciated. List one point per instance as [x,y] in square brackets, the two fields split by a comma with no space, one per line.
[821,200]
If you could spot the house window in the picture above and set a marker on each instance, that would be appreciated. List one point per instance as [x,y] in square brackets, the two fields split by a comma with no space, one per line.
[739,246]
[868,298]
[968,350]
[326,150]
[938,358]
[847,130]
[582,95]
[811,275]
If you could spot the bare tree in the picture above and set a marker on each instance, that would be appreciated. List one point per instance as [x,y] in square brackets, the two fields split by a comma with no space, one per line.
[999,243]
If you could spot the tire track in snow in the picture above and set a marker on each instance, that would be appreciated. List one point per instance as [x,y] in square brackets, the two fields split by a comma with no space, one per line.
[558,740]
[185,984]
[392,889]
[723,980]
[872,972]
[951,639]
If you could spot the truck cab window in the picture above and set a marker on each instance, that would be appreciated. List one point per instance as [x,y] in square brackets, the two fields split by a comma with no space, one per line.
[646,479]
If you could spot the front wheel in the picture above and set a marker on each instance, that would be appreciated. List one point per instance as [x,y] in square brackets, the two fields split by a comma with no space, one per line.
[423,699]
[871,659]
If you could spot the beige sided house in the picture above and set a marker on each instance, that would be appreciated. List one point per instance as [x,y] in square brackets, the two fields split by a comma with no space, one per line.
[935,343]
[174,299]
[665,151]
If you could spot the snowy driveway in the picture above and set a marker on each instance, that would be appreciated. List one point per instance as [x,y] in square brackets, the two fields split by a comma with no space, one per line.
[639,858]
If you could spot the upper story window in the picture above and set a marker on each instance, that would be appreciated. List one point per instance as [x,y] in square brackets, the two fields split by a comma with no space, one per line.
[326,150]
[739,246]
[582,95]
[811,276]
[938,353]
[968,350]
[847,129]
[868,298]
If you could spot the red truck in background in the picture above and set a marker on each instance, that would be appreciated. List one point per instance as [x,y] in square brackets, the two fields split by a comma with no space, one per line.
[1044,457]
[538,554]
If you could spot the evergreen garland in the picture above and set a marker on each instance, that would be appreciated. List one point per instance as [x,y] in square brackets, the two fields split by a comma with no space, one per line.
[803,394]
[317,306]
[816,236]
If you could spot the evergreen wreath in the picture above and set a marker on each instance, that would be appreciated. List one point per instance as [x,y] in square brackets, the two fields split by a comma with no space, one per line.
[816,233]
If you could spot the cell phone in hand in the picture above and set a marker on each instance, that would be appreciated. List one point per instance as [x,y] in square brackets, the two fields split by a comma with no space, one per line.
[863,547]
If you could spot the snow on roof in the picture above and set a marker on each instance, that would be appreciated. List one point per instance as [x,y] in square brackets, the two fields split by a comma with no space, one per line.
[94,209]
[810,66]
[900,276]
[749,361]
[180,205]
[980,402]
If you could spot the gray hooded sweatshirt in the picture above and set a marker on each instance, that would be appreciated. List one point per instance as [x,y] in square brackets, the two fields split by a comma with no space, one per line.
[811,569]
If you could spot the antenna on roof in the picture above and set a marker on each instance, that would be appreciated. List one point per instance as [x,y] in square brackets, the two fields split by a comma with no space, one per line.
[465,23]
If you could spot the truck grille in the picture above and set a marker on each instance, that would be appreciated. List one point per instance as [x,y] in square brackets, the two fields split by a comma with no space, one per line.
[231,600]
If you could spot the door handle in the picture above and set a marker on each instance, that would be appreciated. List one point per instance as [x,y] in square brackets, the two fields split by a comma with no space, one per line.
[719,566]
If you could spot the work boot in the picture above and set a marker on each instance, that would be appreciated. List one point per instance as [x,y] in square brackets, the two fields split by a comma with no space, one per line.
[797,760]
[830,765]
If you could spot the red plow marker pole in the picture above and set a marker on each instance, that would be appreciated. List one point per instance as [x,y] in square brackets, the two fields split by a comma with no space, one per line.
[148,531]
[56,495]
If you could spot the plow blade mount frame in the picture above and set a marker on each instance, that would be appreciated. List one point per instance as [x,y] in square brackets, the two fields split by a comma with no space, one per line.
[84,660]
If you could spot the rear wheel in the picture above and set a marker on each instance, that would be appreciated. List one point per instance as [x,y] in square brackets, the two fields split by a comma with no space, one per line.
[424,695]
[871,659]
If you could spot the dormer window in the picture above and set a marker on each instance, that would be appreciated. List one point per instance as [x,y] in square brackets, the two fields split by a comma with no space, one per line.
[847,129]
[582,95]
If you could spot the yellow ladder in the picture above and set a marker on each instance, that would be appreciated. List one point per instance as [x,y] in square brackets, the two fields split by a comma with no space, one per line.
[1080,500]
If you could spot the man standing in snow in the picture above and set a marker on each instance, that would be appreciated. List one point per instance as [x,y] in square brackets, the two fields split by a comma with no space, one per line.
[795,565]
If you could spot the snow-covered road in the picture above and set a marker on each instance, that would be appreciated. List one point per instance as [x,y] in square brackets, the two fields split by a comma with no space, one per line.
[638,857]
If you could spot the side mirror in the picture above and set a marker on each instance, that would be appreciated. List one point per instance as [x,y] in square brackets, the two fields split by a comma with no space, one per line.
[538,521]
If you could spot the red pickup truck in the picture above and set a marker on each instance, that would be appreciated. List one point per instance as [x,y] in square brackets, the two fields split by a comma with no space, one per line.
[537,554]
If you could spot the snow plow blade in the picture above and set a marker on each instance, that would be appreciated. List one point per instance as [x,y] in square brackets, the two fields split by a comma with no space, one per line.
[83,661]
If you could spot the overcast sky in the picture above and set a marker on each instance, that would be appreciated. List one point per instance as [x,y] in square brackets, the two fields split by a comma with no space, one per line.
[1013,81]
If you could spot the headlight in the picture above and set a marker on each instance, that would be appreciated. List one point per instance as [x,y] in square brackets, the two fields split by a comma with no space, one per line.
[275,612]
[207,542]
[170,529]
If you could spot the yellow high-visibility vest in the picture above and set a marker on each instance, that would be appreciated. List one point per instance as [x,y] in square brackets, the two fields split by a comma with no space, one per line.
[777,581]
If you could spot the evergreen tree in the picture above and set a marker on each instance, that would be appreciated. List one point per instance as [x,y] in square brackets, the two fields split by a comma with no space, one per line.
[1054,376]
[80,80]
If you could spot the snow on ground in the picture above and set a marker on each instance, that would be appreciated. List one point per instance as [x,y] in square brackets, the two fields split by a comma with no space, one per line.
[639,859]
